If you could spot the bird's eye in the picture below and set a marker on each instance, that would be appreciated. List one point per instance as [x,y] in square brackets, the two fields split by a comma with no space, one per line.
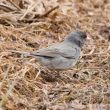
[84,36]
[79,43]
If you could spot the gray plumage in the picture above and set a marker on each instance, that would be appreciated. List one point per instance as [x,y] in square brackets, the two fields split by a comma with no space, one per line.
[63,55]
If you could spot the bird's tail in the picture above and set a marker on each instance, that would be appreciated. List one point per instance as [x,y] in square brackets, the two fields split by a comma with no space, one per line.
[25,54]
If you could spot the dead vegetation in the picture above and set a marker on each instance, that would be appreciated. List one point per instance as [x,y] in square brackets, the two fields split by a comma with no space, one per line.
[27,25]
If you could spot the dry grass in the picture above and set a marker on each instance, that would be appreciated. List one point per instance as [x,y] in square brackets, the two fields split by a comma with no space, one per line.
[27,25]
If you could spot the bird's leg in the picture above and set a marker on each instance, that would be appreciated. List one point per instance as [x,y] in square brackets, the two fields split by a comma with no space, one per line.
[49,75]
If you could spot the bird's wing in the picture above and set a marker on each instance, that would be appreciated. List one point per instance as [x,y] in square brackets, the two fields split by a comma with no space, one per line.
[54,52]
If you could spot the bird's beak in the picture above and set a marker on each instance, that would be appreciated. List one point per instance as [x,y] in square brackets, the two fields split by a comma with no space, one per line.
[88,37]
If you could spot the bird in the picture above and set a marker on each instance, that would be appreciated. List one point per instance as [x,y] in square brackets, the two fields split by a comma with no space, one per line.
[63,55]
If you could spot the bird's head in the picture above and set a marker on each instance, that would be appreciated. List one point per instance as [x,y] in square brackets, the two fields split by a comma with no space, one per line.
[77,37]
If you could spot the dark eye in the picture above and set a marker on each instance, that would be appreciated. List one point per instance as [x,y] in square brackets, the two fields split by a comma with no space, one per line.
[84,36]
[79,43]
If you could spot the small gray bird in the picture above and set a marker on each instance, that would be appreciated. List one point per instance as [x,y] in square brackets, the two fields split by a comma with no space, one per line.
[63,55]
